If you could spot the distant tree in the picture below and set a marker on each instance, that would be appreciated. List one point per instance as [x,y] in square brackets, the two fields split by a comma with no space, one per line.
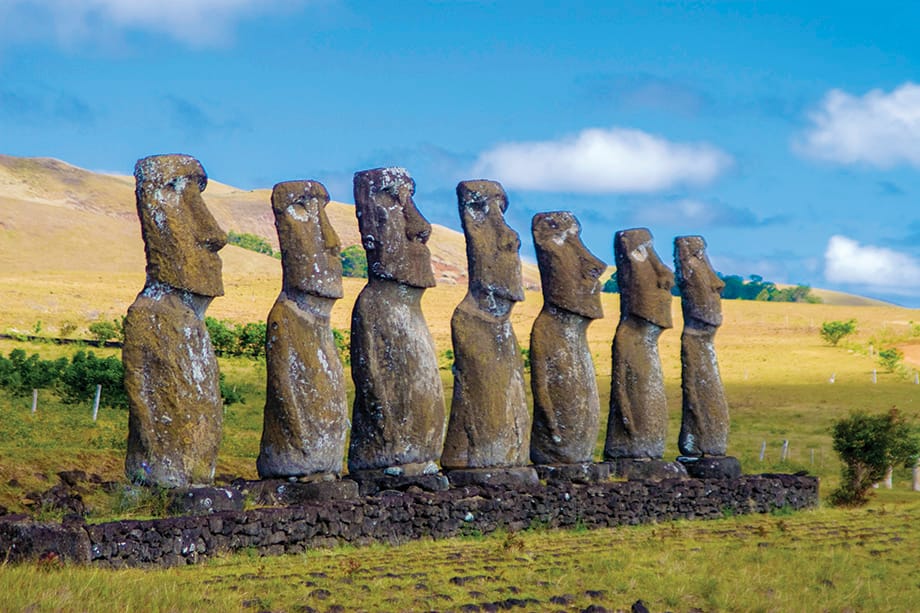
[20,373]
[252,338]
[250,242]
[868,445]
[834,331]
[223,337]
[354,262]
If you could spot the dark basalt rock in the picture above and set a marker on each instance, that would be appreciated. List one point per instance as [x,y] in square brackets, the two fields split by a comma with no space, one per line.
[566,416]
[638,419]
[398,416]
[171,373]
[489,420]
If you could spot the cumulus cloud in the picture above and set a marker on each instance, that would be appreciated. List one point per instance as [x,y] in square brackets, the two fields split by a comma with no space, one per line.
[879,128]
[190,21]
[602,161]
[847,261]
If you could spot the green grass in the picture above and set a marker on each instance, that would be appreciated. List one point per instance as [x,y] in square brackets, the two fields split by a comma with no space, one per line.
[826,559]
[776,372]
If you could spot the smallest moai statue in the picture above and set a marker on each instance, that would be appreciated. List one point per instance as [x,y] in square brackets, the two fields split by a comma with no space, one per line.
[306,410]
[704,427]
[563,380]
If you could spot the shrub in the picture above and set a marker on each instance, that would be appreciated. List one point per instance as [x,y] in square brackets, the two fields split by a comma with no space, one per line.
[250,242]
[354,262]
[834,331]
[868,445]
[890,358]
[223,337]
[342,340]
[102,331]
[228,393]
[77,382]
[610,285]
[21,374]
[252,338]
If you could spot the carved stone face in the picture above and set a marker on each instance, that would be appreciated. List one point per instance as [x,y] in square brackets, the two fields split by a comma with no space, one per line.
[700,287]
[569,272]
[645,282]
[309,245]
[393,231]
[491,245]
[181,237]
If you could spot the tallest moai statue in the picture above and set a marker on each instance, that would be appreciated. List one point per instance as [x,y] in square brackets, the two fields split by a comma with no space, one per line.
[171,376]
[398,417]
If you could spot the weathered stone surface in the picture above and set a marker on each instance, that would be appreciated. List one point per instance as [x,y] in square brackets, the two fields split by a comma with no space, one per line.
[712,467]
[566,417]
[645,469]
[181,237]
[22,539]
[398,415]
[638,418]
[393,231]
[489,419]
[171,375]
[582,472]
[285,492]
[704,410]
[306,409]
[511,477]
[205,500]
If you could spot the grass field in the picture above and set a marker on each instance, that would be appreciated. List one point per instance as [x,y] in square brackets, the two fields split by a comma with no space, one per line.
[776,371]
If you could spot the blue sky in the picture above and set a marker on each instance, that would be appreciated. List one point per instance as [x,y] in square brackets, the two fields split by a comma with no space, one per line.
[786,133]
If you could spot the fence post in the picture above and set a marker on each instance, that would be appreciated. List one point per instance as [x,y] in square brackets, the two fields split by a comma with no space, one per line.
[34,401]
[763,450]
[96,401]
[888,476]
[785,451]
[874,376]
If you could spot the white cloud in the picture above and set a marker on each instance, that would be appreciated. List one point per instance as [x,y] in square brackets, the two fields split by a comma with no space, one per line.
[880,268]
[602,161]
[196,22]
[880,129]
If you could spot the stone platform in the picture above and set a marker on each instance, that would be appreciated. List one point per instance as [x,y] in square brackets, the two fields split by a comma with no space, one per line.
[397,517]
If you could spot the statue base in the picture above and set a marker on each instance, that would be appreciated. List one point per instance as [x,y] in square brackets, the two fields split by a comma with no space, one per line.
[507,476]
[204,500]
[646,469]
[424,476]
[315,488]
[583,472]
[711,467]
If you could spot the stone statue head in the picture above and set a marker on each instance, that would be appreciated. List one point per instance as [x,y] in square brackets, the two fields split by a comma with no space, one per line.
[570,274]
[491,245]
[700,287]
[309,245]
[181,237]
[645,282]
[393,231]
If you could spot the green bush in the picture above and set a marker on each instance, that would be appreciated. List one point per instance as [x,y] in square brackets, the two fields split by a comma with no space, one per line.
[342,340]
[105,330]
[890,358]
[611,286]
[20,374]
[868,445]
[834,331]
[77,382]
[354,262]
[250,242]
[252,338]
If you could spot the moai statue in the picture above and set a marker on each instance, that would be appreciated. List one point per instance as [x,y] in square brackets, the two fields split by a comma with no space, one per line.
[171,376]
[566,417]
[638,419]
[306,410]
[704,415]
[489,420]
[398,418]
